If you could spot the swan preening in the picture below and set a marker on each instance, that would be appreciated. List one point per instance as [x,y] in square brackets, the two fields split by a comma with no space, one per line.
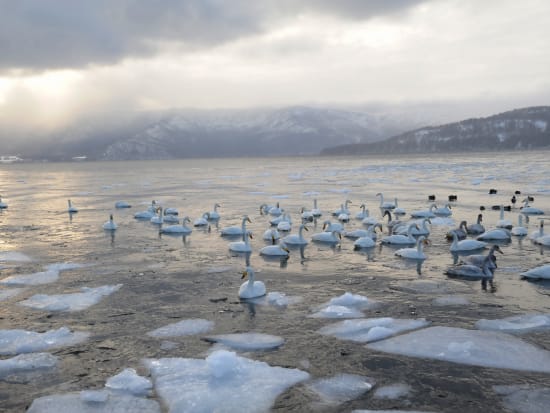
[251,288]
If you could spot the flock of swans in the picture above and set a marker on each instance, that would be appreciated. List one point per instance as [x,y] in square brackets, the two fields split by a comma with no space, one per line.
[411,235]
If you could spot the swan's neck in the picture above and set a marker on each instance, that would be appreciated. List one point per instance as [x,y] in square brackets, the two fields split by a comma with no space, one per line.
[419,247]
[301,231]
[501,212]
[381,199]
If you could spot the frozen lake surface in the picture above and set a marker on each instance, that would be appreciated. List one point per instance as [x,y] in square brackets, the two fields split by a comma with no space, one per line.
[128,320]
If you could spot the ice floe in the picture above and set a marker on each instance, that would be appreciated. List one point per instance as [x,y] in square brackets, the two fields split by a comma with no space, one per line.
[183,328]
[366,330]
[70,302]
[525,399]
[129,381]
[473,347]
[9,292]
[44,277]
[392,391]
[516,324]
[113,403]
[347,305]
[449,300]
[23,341]
[341,388]
[223,381]
[247,341]
[338,311]
[30,362]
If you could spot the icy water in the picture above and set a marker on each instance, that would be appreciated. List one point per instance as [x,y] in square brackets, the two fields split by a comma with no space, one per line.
[165,279]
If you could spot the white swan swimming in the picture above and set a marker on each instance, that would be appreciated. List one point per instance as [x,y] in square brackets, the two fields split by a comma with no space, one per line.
[122,204]
[280,218]
[425,213]
[307,216]
[234,230]
[422,228]
[243,245]
[147,214]
[297,239]
[344,209]
[159,218]
[476,228]
[110,225]
[385,205]
[316,211]
[466,244]
[251,288]
[392,224]
[543,240]
[495,234]
[343,217]
[271,234]
[171,211]
[414,253]
[538,273]
[3,205]
[202,221]
[519,230]
[363,213]
[214,215]
[329,226]
[178,229]
[369,240]
[172,219]
[285,224]
[503,223]
[264,209]
[276,210]
[71,208]
[461,231]
[370,220]
[526,209]
[538,233]
[444,211]
[277,250]
[398,210]
[332,237]
[396,239]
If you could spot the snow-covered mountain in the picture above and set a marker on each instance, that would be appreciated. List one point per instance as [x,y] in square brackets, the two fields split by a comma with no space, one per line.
[527,128]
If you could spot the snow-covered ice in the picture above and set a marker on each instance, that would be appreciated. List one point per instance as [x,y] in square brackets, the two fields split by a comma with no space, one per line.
[516,324]
[23,341]
[27,363]
[371,329]
[247,341]
[50,275]
[70,302]
[223,381]
[473,347]
[525,399]
[129,381]
[341,388]
[183,328]
[392,391]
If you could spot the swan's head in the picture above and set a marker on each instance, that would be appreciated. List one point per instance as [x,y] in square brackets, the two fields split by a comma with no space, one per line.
[186,219]
[304,227]
[246,219]
[379,194]
[248,272]
[497,248]
[423,240]
[111,217]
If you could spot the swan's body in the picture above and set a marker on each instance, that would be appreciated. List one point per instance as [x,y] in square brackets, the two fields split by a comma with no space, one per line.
[332,226]
[369,220]
[397,210]
[3,205]
[307,216]
[178,229]
[241,246]
[496,234]
[285,224]
[251,288]
[364,242]
[503,223]
[276,210]
[443,211]
[236,230]
[461,232]
[425,213]
[526,209]
[421,230]
[316,211]
[363,213]
[539,233]
[297,239]
[344,209]
[264,209]
[277,250]
[397,239]
[71,208]
[171,211]
[538,273]
[414,253]
[159,218]
[122,204]
[466,245]
[544,240]
[330,237]
[281,218]
[480,260]
[392,224]
[519,230]
[172,219]
[110,225]
[214,215]
[202,221]
[476,228]
[147,214]
[472,271]
[271,234]
[385,205]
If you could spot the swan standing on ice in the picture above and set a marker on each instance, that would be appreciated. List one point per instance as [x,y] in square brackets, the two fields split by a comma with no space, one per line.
[519,230]
[414,253]
[251,288]
[503,223]
[241,246]
[476,228]
[466,244]
[71,209]
[110,225]
[234,230]
[297,239]
[178,229]
[538,273]
[401,239]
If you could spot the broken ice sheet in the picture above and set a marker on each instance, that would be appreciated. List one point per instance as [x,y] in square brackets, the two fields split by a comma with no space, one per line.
[524,398]
[341,388]
[23,341]
[517,324]
[247,341]
[183,328]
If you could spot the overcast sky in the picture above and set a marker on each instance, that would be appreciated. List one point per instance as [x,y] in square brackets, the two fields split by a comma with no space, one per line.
[60,59]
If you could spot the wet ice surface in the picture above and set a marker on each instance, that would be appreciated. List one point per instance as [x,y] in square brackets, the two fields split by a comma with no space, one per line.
[29,362]
[525,399]
[247,341]
[517,324]
[22,341]
[169,279]
[392,391]
[341,388]
[70,302]
[183,328]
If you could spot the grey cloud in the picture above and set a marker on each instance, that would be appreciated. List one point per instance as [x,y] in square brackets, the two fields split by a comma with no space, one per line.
[53,34]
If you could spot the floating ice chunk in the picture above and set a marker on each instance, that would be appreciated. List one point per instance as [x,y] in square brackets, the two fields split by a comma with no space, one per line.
[451,300]
[23,341]
[70,302]
[94,396]
[223,382]
[351,300]
[392,391]
[128,381]
[473,347]
[8,256]
[371,329]
[8,293]
[115,403]
[247,341]
[183,328]
[338,311]
[44,277]
[525,399]
[517,324]
[278,299]
[341,388]
[27,362]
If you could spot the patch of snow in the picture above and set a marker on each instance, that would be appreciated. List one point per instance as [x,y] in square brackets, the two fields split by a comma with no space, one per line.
[44,277]
[525,399]
[8,293]
[451,300]
[9,256]
[128,381]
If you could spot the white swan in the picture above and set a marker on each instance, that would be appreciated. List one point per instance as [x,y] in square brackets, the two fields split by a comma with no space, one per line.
[271,234]
[444,211]
[461,231]
[202,221]
[251,288]
[332,226]
[214,215]
[363,213]
[332,237]
[526,209]
[539,233]
[392,224]
[369,240]
[466,244]
[538,273]
[495,234]
[385,205]
[544,240]
[234,230]
[316,211]
[397,210]
[122,204]
[178,229]
[283,217]
[276,210]
[519,230]
[307,216]
[241,246]
[369,220]
[401,239]
[479,259]
[425,213]
[172,219]
[285,224]
[471,271]
[147,214]
[171,211]
[414,253]
[422,229]
[503,223]
[110,225]
[343,209]
[297,239]
[476,228]
[277,250]
[71,209]
[159,218]
[3,205]
[343,217]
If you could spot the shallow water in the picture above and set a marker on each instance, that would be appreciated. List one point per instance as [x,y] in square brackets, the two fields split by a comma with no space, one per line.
[168,278]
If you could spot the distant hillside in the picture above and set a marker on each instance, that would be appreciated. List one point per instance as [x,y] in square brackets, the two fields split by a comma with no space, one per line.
[518,129]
